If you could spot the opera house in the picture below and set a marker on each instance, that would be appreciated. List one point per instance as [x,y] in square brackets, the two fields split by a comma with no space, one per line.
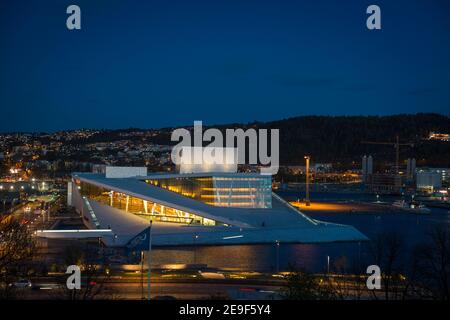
[200,207]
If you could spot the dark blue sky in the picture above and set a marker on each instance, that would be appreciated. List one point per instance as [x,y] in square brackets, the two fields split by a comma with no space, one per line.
[163,63]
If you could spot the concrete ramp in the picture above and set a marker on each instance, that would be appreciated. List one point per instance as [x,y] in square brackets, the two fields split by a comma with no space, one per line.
[73,234]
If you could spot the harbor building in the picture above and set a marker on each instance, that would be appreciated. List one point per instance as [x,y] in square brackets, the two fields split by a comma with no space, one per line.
[205,207]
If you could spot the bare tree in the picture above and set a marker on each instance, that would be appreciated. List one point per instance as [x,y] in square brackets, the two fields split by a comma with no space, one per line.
[94,275]
[432,265]
[386,250]
[17,249]
[302,285]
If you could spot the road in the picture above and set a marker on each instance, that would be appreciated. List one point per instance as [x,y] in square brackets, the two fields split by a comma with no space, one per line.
[178,290]
[31,214]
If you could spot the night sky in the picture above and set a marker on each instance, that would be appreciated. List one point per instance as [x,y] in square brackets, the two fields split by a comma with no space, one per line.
[167,63]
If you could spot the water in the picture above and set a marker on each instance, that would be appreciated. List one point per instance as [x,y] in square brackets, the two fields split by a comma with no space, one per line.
[410,227]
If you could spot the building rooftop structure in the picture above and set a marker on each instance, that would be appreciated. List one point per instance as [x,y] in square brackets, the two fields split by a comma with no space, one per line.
[212,208]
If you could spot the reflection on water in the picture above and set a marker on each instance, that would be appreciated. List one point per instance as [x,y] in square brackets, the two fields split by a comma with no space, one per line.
[312,257]
[261,258]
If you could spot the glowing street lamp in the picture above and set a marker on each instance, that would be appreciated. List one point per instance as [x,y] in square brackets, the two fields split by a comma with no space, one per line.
[195,237]
[277,246]
[328,264]
[307,158]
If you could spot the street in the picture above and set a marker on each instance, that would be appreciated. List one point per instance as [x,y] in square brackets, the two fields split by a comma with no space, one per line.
[179,290]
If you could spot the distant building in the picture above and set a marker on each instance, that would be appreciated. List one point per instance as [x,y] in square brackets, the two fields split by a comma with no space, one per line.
[439,136]
[322,167]
[296,170]
[410,169]
[12,190]
[367,168]
[385,183]
[428,181]
[315,168]
[432,178]
[125,172]
[99,168]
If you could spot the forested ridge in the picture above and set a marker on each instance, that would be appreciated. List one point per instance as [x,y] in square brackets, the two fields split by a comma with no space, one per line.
[335,139]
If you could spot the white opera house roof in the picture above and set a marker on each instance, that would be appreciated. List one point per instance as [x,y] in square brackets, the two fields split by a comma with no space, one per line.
[210,208]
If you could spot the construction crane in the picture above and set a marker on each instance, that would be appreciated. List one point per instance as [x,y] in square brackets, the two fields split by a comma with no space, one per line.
[396,145]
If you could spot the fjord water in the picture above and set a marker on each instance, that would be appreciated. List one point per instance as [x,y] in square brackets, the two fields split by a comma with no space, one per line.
[411,228]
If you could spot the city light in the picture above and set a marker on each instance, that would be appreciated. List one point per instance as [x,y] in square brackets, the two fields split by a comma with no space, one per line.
[312,128]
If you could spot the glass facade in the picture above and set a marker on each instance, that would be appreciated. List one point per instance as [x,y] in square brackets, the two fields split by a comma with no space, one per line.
[244,192]
[145,209]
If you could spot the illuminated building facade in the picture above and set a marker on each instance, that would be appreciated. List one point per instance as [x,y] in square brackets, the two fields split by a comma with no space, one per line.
[148,210]
[210,207]
[222,191]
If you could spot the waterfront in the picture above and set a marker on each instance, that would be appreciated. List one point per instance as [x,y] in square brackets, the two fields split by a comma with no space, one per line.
[412,228]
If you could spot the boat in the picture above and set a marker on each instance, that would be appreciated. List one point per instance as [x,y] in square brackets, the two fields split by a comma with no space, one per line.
[412,207]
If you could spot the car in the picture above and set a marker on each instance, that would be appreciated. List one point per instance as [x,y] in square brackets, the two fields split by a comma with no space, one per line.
[22,283]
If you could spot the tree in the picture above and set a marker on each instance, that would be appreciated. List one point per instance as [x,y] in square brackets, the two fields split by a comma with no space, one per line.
[17,248]
[432,264]
[386,251]
[94,275]
[305,286]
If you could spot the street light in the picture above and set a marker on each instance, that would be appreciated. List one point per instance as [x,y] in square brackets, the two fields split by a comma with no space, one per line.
[142,276]
[328,264]
[359,254]
[149,259]
[307,158]
[195,237]
[277,243]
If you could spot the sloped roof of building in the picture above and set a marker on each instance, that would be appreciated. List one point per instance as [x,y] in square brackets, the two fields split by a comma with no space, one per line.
[280,214]
[282,222]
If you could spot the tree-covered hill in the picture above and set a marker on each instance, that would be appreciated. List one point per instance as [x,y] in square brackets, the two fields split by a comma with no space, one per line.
[339,139]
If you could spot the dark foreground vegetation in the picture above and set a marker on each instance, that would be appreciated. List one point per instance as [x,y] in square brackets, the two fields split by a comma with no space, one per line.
[424,274]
